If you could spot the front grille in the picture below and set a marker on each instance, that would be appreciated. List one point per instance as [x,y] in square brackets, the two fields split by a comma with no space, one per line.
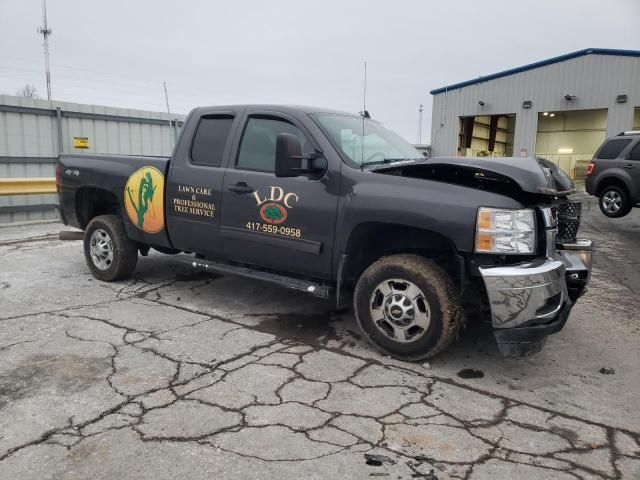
[569,214]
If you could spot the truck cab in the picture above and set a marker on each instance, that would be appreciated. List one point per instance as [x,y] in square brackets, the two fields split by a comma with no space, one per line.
[338,206]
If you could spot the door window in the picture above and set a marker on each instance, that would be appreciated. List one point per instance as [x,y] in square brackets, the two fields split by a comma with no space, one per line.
[613,148]
[635,153]
[258,146]
[210,140]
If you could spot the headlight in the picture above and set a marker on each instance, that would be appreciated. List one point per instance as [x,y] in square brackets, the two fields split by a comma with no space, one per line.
[505,231]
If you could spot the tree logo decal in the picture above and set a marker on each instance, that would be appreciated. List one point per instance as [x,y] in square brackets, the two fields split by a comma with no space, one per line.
[273,213]
[144,199]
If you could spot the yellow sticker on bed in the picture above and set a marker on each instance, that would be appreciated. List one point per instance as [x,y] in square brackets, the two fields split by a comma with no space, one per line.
[143,199]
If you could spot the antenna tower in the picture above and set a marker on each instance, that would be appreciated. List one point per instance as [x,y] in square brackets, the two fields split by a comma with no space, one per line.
[45,31]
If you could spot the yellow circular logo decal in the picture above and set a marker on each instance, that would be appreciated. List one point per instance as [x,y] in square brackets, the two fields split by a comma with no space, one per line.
[144,199]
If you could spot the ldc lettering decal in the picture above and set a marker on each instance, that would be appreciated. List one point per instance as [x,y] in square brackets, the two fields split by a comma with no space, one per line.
[273,209]
[277,194]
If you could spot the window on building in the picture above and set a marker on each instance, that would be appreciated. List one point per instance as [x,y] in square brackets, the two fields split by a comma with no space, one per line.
[210,140]
[613,148]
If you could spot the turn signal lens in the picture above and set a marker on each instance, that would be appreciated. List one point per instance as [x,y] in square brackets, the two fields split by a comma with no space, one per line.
[505,231]
[484,242]
[485,219]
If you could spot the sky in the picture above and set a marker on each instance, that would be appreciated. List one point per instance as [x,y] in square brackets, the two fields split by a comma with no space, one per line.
[119,53]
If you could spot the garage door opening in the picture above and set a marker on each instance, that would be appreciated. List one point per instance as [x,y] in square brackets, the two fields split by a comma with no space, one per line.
[636,119]
[570,138]
[486,135]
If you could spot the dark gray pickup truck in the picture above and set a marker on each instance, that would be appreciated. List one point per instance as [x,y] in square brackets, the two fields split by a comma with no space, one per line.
[338,206]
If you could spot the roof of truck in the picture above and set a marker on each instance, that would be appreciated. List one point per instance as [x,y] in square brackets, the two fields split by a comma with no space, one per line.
[280,108]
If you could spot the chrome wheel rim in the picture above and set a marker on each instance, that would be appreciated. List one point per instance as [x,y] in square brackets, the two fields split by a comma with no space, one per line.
[400,310]
[101,249]
[612,201]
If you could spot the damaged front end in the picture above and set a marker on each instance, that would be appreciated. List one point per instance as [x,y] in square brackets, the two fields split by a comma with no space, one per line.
[529,301]
[527,297]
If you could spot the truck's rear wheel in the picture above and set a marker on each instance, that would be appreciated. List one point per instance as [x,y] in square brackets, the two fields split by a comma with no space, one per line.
[109,253]
[407,306]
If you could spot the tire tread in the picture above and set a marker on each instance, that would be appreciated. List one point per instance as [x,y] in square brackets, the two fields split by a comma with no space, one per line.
[432,273]
[125,255]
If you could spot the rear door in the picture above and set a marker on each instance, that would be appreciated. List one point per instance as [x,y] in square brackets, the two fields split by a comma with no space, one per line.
[285,224]
[194,199]
[610,156]
[633,165]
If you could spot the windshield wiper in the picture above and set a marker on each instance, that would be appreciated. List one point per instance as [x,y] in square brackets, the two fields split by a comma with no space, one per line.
[390,160]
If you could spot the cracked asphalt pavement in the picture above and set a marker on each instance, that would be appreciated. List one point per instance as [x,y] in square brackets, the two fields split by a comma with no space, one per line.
[180,374]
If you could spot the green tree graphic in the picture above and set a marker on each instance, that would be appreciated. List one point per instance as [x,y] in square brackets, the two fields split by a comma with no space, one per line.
[146,191]
[273,213]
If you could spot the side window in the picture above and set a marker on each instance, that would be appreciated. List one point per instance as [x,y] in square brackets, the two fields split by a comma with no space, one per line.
[613,148]
[210,140]
[635,152]
[258,146]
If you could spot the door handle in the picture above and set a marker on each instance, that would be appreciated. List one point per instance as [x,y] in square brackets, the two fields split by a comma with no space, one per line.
[240,187]
[629,166]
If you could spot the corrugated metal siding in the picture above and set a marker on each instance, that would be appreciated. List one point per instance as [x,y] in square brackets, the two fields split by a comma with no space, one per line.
[595,80]
[29,143]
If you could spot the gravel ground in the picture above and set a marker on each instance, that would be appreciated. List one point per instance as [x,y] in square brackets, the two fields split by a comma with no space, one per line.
[178,374]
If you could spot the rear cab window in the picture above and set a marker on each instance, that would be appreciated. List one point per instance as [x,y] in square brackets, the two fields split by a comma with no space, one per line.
[613,148]
[210,140]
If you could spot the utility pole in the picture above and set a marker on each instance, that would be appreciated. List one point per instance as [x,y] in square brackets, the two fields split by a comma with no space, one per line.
[45,31]
[420,124]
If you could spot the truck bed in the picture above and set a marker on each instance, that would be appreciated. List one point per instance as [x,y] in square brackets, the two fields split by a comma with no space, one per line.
[113,184]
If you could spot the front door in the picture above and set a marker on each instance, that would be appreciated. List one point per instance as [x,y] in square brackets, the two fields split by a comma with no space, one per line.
[195,182]
[286,224]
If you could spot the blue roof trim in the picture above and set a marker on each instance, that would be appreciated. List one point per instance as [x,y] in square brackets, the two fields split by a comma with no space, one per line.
[531,66]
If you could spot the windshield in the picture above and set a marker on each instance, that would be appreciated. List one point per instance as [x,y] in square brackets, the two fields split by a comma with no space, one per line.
[377,145]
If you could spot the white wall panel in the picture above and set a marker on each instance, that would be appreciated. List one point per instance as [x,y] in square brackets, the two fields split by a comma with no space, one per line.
[594,79]
[29,143]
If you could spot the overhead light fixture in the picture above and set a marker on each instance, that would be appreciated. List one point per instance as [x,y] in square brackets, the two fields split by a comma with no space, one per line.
[565,150]
[552,114]
[527,104]
[621,99]
[545,114]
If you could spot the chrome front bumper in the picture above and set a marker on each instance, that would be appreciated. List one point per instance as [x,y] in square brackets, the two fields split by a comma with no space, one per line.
[537,293]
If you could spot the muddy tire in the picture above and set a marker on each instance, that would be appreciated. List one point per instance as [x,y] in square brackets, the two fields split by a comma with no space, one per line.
[614,202]
[407,306]
[109,253]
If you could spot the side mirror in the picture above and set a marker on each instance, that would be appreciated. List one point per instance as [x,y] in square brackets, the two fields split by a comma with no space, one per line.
[288,155]
[289,158]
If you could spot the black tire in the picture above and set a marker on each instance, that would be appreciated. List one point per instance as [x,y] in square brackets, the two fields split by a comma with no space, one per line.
[437,289]
[124,250]
[615,192]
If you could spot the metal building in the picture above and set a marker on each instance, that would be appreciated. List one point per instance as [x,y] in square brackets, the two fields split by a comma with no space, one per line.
[561,109]
[34,132]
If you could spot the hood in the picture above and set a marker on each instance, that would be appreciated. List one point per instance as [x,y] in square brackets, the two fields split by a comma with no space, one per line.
[501,174]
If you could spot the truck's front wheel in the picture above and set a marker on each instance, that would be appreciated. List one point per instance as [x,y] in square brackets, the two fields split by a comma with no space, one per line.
[407,306]
[109,253]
